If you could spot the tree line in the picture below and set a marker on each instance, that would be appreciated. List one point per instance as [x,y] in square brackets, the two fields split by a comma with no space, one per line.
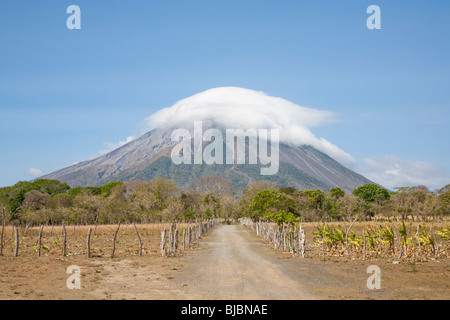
[52,202]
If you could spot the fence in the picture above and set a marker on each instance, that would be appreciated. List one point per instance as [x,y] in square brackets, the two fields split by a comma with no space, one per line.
[101,240]
[169,245]
[286,237]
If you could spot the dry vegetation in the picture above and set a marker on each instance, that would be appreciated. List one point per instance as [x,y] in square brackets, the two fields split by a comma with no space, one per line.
[366,240]
[127,242]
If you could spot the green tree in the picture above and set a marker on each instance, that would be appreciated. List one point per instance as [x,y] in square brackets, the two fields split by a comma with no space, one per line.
[50,187]
[273,205]
[371,193]
[250,192]
[337,193]
[18,191]
[108,188]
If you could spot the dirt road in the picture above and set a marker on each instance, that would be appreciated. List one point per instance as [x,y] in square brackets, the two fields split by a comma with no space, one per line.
[235,266]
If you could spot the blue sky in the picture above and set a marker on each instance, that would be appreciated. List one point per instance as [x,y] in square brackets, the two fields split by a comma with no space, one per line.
[65,95]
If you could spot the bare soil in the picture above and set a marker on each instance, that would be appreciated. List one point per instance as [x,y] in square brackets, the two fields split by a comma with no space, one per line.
[228,263]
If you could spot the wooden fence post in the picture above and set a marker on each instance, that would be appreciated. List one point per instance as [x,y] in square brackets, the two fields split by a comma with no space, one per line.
[1,239]
[346,238]
[303,243]
[364,245]
[89,243]
[175,241]
[163,242]
[323,240]
[140,241]
[40,240]
[114,241]
[16,252]
[26,229]
[65,239]
[418,240]
[189,236]
[170,239]
[436,243]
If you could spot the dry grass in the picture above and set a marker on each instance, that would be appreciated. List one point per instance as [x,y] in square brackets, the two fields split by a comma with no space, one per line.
[127,243]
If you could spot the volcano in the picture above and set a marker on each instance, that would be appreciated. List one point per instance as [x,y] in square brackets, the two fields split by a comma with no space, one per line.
[305,162]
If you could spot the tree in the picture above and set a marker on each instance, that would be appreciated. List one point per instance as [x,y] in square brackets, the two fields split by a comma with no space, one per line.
[348,206]
[150,200]
[192,203]
[87,207]
[273,205]
[337,193]
[316,201]
[50,187]
[16,193]
[371,193]
[444,203]
[215,185]
[35,200]
[228,208]
[250,192]
[210,206]
[108,188]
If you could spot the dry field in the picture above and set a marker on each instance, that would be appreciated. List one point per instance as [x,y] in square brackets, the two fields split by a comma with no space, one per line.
[127,242]
[412,250]
[364,239]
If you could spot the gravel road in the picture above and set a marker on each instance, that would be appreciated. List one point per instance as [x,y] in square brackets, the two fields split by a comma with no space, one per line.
[233,265]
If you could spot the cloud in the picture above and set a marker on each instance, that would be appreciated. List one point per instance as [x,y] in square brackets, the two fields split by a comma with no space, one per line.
[238,108]
[110,146]
[33,172]
[392,172]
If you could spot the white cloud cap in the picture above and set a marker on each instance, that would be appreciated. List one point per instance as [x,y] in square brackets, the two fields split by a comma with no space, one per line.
[238,108]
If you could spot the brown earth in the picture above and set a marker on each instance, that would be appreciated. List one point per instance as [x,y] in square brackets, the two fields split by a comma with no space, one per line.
[228,263]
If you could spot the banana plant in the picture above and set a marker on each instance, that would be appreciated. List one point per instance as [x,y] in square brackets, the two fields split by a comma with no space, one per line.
[445,233]
[404,240]
[388,236]
[371,240]
[332,237]
[355,239]
[426,239]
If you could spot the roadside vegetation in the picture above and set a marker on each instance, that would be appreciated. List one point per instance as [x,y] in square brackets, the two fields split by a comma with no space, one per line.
[51,202]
